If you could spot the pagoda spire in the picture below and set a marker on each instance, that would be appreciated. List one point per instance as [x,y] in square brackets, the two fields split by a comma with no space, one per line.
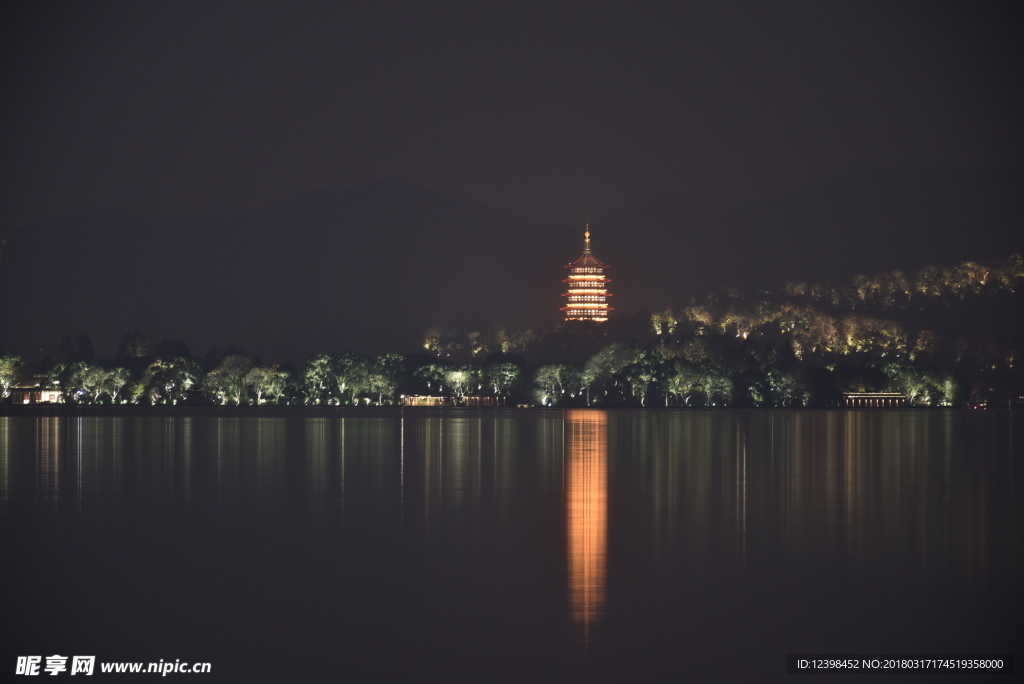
[586,240]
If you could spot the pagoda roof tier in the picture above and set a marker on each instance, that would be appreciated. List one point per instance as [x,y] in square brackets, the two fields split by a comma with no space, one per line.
[587,278]
[587,261]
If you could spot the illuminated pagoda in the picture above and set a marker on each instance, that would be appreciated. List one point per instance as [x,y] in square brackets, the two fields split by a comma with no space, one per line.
[587,293]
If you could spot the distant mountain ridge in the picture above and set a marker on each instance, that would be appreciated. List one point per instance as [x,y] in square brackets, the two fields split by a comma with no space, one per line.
[369,267]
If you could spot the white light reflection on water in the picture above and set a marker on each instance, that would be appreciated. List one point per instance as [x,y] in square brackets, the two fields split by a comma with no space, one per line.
[450,453]
[872,492]
[249,457]
[50,444]
[5,462]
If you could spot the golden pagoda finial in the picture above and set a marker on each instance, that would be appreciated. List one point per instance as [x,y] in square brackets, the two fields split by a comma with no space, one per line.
[586,240]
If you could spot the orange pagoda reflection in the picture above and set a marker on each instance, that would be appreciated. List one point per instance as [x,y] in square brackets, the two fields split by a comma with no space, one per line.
[586,452]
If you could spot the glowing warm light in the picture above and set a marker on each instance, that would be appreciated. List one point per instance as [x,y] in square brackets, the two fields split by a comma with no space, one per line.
[586,453]
[587,291]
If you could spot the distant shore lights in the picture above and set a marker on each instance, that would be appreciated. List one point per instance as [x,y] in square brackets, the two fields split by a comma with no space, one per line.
[587,293]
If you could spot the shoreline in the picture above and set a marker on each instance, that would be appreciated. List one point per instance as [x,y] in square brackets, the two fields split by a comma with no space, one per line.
[61,410]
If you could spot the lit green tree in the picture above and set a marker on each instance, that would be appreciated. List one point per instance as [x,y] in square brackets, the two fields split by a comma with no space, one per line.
[318,378]
[719,388]
[383,376]
[59,376]
[684,382]
[87,381]
[380,384]
[11,370]
[572,379]
[433,375]
[444,343]
[646,375]
[228,380]
[600,370]
[548,381]
[664,322]
[462,380]
[169,380]
[259,380]
[949,390]
[789,389]
[351,372]
[501,377]
[114,381]
[477,344]
[280,383]
[136,390]
[912,381]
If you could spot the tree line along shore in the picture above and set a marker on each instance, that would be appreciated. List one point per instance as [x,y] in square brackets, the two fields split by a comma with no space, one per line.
[939,337]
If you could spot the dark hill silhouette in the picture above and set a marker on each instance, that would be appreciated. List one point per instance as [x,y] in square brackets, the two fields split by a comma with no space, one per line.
[370,267]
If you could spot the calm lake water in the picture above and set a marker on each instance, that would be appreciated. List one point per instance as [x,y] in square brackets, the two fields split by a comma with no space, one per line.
[504,545]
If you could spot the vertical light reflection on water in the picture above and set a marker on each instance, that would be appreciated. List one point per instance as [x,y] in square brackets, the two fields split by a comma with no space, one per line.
[49,443]
[927,495]
[872,493]
[505,459]
[450,448]
[159,464]
[223,472]
[167,479]
[115,463]
[551,440]
[72,464]
[85,438]
[317,464]
[586,449]
[741,491]
[354,467]
[401,472]
[371,459]
[187,456]
[657,470]
[693,467]
[459,478]
[78,465]
[429,446]
[271,452]
[888,493]
[97,463]
[250,459]
[5,463]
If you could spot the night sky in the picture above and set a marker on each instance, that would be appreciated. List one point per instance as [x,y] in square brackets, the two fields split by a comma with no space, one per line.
[198,116]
